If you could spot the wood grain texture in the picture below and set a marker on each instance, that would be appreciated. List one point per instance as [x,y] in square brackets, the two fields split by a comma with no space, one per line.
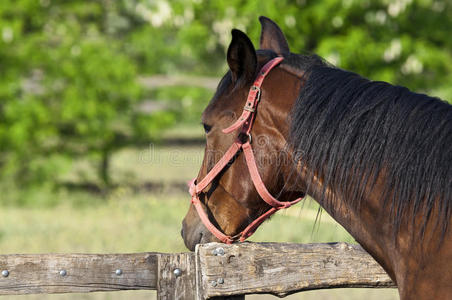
[244,268]
[199,287]
[282,268]
[40,273]
[172,287]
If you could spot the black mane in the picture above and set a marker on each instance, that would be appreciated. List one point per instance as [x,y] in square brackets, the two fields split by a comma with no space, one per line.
[348,130]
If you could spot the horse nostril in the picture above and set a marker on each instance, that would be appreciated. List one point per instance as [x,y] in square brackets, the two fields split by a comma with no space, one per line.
[182,232]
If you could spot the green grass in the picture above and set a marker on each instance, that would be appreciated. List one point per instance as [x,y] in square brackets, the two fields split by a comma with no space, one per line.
[185,131]
[160,164]
[126,221]
[134,223]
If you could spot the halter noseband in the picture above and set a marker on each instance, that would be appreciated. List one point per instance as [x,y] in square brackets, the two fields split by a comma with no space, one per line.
[246,121]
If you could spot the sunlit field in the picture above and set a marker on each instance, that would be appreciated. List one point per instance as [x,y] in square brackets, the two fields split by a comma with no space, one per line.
[144,213]
[141,222]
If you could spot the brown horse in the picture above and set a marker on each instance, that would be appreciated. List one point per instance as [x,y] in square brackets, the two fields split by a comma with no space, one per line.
[376,157]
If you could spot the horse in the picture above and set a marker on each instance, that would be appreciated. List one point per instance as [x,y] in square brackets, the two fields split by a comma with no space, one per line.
[375,156]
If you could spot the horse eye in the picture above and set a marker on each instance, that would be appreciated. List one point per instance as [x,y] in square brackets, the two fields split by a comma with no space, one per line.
[207,128]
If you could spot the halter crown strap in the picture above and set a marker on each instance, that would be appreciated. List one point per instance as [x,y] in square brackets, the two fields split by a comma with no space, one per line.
[253,97]
[245,121]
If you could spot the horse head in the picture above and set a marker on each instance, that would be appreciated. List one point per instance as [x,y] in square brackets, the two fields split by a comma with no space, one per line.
[230,200]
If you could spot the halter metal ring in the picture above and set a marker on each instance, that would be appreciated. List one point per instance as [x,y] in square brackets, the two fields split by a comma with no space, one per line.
[244,137]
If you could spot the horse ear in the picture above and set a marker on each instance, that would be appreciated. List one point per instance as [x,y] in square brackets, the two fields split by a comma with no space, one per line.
[272,37]
[241,57]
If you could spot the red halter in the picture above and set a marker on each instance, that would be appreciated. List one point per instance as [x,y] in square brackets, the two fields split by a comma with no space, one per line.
[246,121]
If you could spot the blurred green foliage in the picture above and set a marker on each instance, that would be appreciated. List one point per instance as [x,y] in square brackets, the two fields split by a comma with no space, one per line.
[69,69]
[405,42]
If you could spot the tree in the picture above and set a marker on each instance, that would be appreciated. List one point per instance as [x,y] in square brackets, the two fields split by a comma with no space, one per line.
[68,69]
[67,89]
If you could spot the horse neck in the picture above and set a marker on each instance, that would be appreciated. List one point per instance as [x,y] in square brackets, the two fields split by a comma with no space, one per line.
[364,222]
[409,260]
[368,223]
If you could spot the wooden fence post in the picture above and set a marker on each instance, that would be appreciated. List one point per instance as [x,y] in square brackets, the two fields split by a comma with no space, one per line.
[199,252]
[176,277]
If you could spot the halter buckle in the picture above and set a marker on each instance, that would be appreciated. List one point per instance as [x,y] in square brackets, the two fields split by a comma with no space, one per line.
[258,89]
[250,109]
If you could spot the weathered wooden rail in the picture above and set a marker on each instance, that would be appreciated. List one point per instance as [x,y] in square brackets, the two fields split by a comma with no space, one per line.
[214,270]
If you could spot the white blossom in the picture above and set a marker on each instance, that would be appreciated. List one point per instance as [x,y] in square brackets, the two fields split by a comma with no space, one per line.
[398,6]
[157,15]
[223,28]
[393,52]
[333,58]
[380,17]
[290,21]
[412,65]
[7,35]
[337,21]
[438,6]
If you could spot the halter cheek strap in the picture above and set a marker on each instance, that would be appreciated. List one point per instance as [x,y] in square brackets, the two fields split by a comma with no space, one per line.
[245,121]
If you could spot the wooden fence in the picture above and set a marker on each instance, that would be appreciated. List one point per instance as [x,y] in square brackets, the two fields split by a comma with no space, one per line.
[214,270]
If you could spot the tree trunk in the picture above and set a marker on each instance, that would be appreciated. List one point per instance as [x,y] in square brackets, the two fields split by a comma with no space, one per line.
[104,168]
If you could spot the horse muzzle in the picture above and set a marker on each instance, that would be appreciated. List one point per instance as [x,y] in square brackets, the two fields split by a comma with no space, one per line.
[195,233]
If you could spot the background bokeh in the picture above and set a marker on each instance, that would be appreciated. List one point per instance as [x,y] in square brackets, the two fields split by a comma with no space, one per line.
[100,103]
